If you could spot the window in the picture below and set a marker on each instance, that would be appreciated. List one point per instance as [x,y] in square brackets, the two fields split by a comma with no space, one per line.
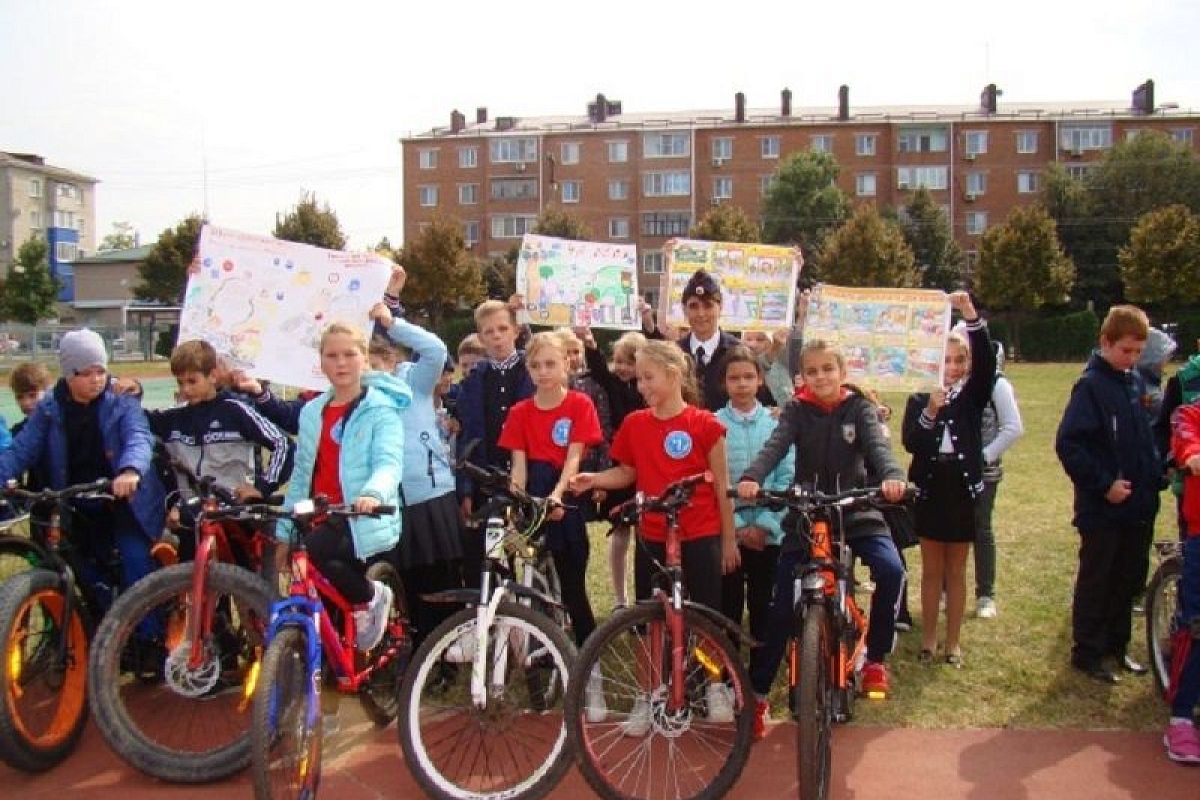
[68,191]
[428,195]
[665,145]
[35,187]
[618,152]
[618,190]
[1028,182]
[471,232]
[976,222]
[512,149]
[865,184]
[65,251]
[1085,137]
[1080,171]
[1027,142]
[666,223]
[569,152]
[514,189]
[764,184]
[666,184]
[915,177]
[570,191]
[64,219]
[976,142]
[722,148]
[35,219]
[512,226]
[770,147]
[976,183]
[1182,136]
[1132,134]
[922,140]
[468,194]
[722,188]
[865,143]
[427,159]
[618,228]
[652,262]
[821,143]
[468,157]
[972,261]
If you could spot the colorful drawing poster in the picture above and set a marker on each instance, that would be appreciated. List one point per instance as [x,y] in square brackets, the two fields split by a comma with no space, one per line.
[758,282]
[565,282]
[894,340]
[263,303]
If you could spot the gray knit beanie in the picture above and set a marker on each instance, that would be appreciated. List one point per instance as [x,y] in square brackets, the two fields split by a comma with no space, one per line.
[79,350]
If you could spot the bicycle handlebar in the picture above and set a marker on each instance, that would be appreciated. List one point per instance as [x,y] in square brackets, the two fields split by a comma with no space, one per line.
[803,499]
[261,512]
[498,483]
[674,496]
[101,488]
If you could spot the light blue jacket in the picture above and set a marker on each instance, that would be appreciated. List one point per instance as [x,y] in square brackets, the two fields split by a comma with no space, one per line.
[370,461]
[427,463]
[743,439]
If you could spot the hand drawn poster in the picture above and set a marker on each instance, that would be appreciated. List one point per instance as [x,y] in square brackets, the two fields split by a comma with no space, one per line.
[566,282]
[263,302]
[758,282]
[894,340]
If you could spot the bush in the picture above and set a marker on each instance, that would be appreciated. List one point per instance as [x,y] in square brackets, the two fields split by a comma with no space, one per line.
[166,341]
[1062,337]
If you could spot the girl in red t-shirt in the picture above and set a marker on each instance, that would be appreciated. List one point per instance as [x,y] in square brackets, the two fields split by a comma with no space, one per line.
[548,435]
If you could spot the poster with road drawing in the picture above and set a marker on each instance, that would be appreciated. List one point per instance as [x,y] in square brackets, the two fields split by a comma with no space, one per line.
[758,282]
[894,340]
[566,282]
[263,303]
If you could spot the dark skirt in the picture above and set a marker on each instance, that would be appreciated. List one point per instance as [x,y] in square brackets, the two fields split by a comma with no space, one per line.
[432,533]
[946,512]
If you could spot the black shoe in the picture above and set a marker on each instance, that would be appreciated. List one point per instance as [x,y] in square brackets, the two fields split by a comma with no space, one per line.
[1098,672]
[1127,664]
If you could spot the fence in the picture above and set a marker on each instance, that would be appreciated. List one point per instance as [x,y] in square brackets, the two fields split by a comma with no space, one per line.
[40,342]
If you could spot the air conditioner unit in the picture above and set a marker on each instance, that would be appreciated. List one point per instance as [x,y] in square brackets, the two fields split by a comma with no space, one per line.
[520,166]
[970,197]
[718,162]
[969,156]
[716,201]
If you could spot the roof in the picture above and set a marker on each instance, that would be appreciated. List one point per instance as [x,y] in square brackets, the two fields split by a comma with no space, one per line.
[112,256]
[35,163]
[713,118]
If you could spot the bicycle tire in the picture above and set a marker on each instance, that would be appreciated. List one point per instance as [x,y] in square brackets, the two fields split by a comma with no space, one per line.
[30,604]
[814,714]
[508,737]
[380,696]
[657,746]
[170,728]
[1162,607]
[287,702]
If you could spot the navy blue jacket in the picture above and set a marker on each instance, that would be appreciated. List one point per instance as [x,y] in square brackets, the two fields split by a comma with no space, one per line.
[1105,435]
[482,412]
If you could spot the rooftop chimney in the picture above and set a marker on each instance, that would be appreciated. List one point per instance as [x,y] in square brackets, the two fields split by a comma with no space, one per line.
[739,107]
[458,121]
[1143,98]
[506,123]
[481,115]
[987,98]
[785,104]
[844,103]
[598,110]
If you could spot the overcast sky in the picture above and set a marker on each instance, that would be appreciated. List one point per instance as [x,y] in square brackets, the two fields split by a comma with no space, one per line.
[279,98]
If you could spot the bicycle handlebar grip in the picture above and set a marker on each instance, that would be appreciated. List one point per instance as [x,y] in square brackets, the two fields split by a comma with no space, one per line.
[384,510]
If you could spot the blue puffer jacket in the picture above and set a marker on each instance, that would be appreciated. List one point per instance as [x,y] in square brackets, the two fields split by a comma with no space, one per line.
[128,443]
[744,438]
[427,464]
[370,462]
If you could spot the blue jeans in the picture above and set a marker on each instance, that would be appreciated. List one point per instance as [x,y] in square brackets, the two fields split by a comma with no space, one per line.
[1187,691]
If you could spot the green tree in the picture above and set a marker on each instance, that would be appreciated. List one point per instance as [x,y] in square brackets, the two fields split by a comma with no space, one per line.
[868,250]
[726,223]
[30,292]
[310,223]
[442,275]
[164,272]
[928,233]
[500,278]
[384,248]
[123,237]
[1161,263]
[562,224]
[1022,265]
[803,203]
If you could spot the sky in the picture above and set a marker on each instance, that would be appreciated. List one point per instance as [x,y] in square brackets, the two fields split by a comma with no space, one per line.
[272,99]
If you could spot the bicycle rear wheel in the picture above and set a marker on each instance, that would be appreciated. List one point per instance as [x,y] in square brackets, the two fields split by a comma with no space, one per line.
[514,746]
[166,718]
[380,697]
[1162,608]
[285,734]
[43,710]
[632,744]
[814,704]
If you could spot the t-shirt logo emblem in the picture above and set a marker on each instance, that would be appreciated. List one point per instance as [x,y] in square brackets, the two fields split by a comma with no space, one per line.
[849,432]
[561,434]
[677,444]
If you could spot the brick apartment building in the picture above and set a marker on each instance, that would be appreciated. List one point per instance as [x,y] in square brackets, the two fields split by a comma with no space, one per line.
[644,178]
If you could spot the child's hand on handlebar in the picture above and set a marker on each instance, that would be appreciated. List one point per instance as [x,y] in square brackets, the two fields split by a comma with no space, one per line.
[556,512]
[747,490]
[125,484]
[366,504]
[894,491]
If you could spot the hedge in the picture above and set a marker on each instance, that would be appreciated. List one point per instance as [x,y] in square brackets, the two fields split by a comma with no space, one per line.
[1063,337]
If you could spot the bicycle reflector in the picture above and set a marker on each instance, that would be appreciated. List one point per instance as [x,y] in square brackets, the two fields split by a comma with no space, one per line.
[250,684]
[710,665]
[14,667]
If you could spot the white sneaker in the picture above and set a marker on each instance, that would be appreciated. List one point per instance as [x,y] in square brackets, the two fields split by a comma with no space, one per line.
[720,703]
[593,694]
[372,621]
[638,722]
[985,608]
[462,651]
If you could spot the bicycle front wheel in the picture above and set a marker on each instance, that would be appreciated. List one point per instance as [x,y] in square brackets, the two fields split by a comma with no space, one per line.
[1162,610]
[285,732]
[814,704]
[503,742]
[630,739]
[166,715]
[44,670]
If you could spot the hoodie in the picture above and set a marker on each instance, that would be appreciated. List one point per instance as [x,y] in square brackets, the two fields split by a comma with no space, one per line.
[1159,349]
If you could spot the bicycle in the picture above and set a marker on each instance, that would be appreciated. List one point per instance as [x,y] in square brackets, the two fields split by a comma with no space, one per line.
[662,662]
[1162,611]
[311,631]
[186,724]
[828,646]
[16,555]
[493,730]
[46,618]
